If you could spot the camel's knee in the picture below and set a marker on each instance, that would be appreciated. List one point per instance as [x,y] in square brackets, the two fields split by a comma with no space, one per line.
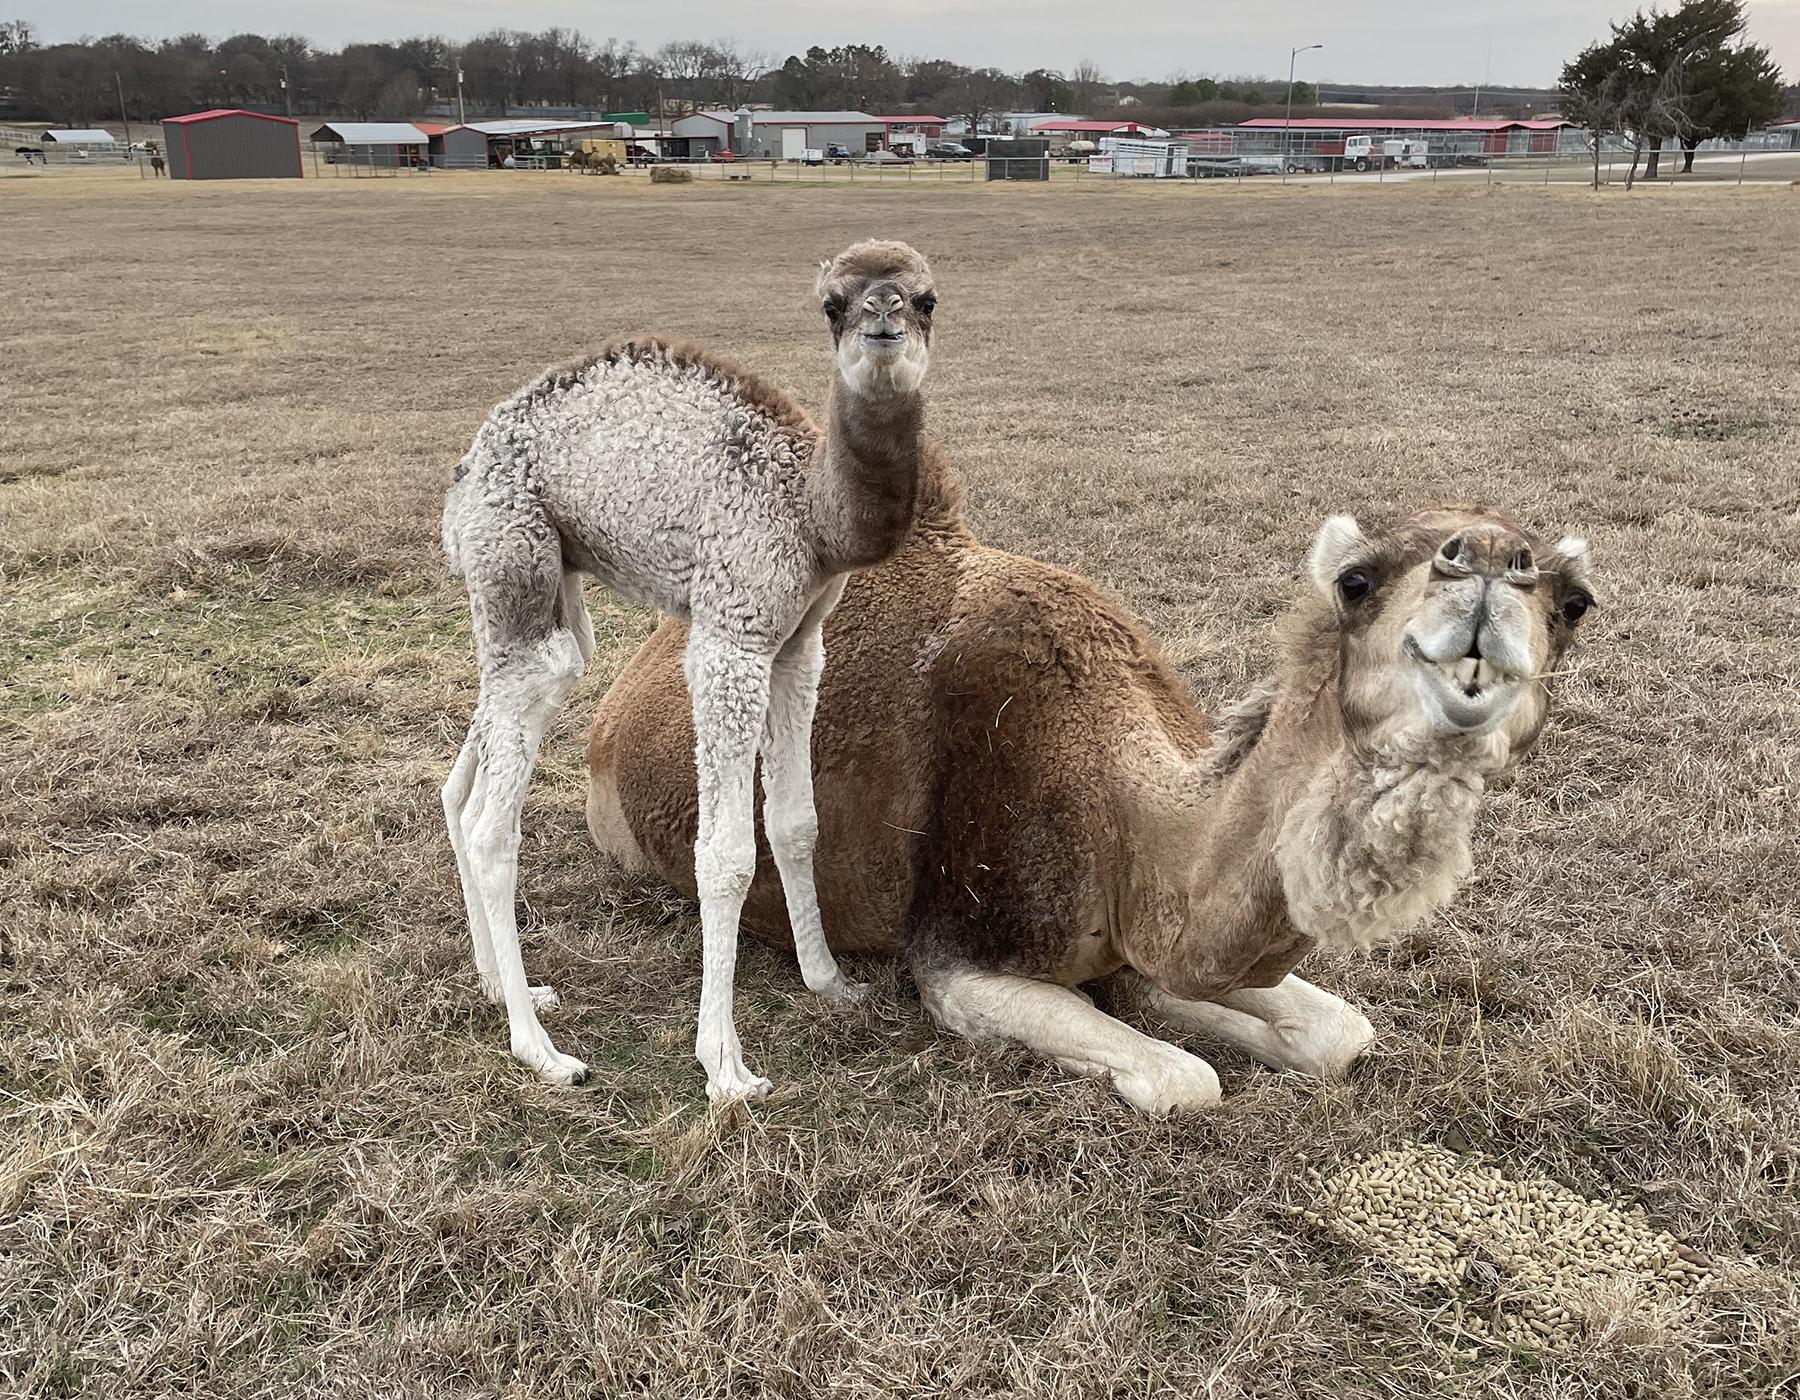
[724,866]
[491,839]
[793,830]
[967,1002]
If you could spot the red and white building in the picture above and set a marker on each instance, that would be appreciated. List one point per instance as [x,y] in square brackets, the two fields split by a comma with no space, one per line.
[1497,137]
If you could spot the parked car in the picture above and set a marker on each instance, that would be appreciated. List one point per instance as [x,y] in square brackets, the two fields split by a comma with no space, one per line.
[886,158]
[724,156]
[948,150]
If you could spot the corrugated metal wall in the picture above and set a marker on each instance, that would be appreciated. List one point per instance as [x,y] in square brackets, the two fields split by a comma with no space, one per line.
[460,149]
[765,138]
[175,150]
[233,148]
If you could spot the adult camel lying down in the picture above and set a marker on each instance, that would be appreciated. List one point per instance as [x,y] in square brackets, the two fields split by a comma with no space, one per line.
[1019,795]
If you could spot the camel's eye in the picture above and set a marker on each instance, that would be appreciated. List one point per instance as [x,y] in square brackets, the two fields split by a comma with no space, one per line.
[1575,607]
[833,312]
[1353,585]
[926,302]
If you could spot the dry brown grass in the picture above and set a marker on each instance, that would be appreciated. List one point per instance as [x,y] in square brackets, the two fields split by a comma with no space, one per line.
[259,1135]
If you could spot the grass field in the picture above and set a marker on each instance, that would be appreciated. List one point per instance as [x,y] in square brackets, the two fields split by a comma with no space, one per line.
[259,1135]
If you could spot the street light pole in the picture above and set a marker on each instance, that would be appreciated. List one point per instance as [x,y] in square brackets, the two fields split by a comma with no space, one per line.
[124,116]
[287,93]
[1287,124]
[462,117]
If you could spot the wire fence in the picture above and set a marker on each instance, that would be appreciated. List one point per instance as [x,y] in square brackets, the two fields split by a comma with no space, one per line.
[1715,163]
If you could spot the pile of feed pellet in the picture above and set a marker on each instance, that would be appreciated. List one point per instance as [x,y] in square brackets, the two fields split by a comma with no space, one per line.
[1526,1260]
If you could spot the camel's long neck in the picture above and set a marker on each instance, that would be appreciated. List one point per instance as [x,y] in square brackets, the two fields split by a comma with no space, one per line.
[866,492]
[1308,840]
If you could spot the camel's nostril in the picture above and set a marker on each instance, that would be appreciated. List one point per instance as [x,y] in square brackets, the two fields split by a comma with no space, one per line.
[1522,562]
[1449,562]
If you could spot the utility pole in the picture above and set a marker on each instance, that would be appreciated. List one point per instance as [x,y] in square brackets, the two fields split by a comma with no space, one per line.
[287,93]
[119,83]
[462,117]
[1486,68]
[1287,125]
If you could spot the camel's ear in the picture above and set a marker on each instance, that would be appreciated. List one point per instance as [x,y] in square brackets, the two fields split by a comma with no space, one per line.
[819,281]
[1572,560]
[1338,538]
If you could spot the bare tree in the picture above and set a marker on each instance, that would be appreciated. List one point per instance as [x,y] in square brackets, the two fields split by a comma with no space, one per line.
[1085,84]
[734,72]
[978,95]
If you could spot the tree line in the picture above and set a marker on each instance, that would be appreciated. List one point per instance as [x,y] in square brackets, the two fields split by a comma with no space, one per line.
[82,82]
[1684,76]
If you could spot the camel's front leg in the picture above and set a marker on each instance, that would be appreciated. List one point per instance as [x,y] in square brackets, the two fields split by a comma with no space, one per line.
[1057,1021]
[1292,1025]
[729,686]
[789,814]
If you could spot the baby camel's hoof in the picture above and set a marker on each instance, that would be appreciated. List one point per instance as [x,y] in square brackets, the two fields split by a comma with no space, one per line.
[844,992]
[552,1066]
[738,1087]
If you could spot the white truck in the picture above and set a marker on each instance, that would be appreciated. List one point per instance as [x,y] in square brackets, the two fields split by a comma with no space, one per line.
[1376,153]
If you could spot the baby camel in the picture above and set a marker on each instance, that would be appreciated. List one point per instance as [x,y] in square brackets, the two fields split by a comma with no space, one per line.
[679,481]
[1018,794]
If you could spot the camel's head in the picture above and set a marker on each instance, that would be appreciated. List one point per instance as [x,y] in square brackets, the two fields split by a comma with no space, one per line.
[878,300]
[1448,623]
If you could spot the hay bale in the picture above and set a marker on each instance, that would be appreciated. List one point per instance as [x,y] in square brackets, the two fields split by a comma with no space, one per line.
[670,175]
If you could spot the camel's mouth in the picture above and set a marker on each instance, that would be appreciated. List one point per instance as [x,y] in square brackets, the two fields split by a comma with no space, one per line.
[1470,690]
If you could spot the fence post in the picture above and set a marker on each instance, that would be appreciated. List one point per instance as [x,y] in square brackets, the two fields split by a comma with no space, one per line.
[1743,156]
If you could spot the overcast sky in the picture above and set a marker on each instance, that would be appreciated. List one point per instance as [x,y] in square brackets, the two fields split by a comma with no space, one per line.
[1398,41]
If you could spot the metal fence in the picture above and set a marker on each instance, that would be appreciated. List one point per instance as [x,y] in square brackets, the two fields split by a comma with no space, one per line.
[1716,163]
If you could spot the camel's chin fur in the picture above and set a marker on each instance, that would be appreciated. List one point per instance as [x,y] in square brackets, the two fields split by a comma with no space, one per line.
[1366,854]
[883,375]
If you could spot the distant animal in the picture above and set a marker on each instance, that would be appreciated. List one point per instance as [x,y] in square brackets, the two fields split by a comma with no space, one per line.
[595,162]
[680,481]
[1018,796]
[157,163]
[30,154]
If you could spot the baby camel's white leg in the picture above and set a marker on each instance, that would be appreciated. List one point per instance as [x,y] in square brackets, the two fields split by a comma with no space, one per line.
[1057,1021]
[1292,1025]
[459,815]
[729,686]
[458,789]
[789,814]
[522,688]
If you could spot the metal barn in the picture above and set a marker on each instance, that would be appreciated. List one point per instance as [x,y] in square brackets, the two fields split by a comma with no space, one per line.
[781,135]
[227,144]
[374,143]
[90,136]
[456,147]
